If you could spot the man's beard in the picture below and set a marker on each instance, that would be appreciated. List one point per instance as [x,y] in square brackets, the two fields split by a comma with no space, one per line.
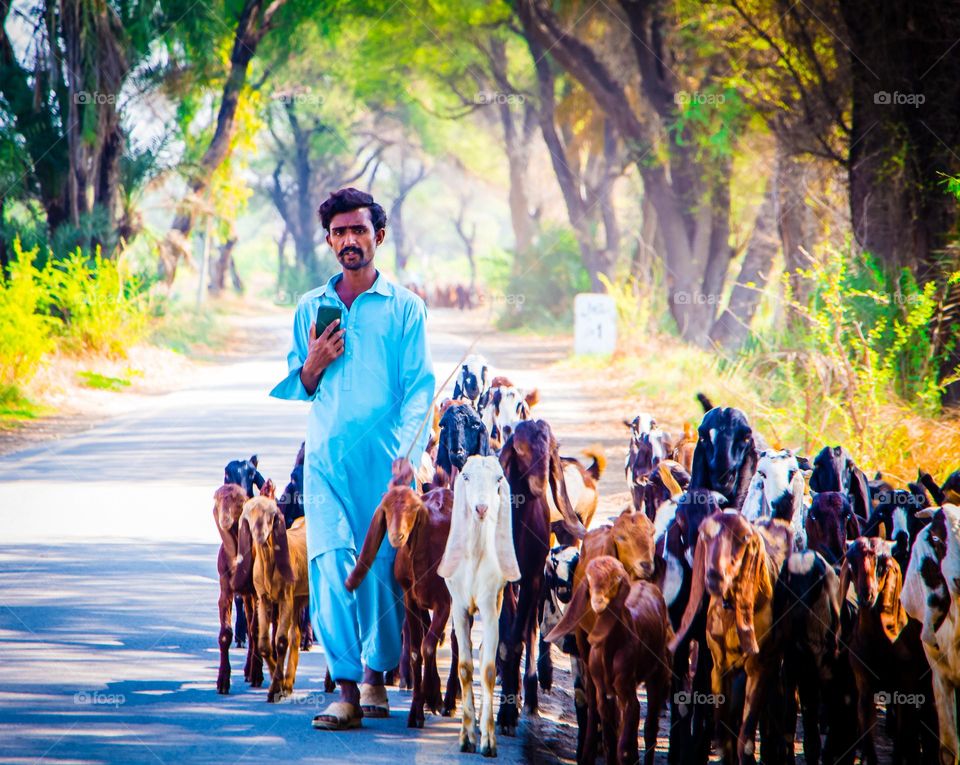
[355,266]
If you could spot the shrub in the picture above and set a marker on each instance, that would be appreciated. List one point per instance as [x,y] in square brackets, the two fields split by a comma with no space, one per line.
[24,327]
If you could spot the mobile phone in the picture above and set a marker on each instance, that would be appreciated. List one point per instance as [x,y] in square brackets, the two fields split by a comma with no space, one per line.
[325,317]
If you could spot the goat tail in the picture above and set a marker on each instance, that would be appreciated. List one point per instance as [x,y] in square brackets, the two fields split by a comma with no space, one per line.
[704,402]
[599,463]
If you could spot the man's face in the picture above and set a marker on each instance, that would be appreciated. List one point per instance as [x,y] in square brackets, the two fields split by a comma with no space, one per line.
[353,239]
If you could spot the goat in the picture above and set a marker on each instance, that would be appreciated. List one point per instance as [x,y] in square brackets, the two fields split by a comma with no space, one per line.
[950,489]
[418,528]
[896,517]
[291,505]
[931,595]
[275,559]
[725,457]
[685,447]
[228,503]
[835,470]
[532,466]
[806,612]
[737,564]
[690,723]
[478,560]
[648,447]
[471,382]
[829,524]
[243,473]
[888,665]
[503,406]
[628,639]
[630,540]
[462,434]
[776,491]
[581,485]
[558,573]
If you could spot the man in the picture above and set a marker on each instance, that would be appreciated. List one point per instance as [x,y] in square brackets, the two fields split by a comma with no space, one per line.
[371,382]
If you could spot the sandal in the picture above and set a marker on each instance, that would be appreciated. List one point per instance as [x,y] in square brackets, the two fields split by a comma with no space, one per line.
[340,715]
[374,701]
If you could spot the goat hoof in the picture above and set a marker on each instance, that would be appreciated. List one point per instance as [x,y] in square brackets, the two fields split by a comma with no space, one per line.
[468,746]
[446,712]
[508,730]
[489,751]
[223,688]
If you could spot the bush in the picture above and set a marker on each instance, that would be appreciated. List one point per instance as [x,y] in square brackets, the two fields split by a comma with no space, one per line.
[99,309]
[541,288]
[24,326]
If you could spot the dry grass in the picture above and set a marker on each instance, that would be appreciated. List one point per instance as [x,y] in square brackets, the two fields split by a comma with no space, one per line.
[663,375]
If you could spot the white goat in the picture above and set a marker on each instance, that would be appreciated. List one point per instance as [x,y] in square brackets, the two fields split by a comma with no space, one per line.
[478,561]
[776,490]
[473,380]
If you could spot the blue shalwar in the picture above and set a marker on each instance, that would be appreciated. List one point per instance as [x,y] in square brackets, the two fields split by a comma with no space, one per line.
[368,406]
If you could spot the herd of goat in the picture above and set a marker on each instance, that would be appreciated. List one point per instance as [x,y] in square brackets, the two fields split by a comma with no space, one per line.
[743,586]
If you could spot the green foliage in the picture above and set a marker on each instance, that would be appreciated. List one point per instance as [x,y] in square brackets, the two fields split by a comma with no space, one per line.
[102,382]
[25,328]
[542,286]
[100,309]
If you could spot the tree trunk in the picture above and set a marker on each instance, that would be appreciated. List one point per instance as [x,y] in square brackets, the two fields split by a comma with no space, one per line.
[254,22]
[731,329]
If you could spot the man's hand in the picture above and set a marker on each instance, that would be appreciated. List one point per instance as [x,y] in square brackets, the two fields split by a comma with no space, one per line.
[321,352]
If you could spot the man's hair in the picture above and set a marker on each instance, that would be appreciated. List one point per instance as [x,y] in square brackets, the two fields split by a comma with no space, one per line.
[349,199]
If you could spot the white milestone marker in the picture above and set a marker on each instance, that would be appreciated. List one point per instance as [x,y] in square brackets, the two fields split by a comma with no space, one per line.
[594,324]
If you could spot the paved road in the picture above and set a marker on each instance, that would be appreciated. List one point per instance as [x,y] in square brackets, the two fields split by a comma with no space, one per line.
[108,582]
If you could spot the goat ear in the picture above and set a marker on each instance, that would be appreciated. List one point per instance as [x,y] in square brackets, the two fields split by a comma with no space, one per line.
[532,398]
[254,460]
[484,445]
[851,522]
[859,491]
[506,551]
[747,471]
[744,590]
[669,481]
[576,610]
[457,538]
[893,617]
[844,580]
[243,575]
[371,545]
[697,600]
[699,470]
[558,487]
[281,549]
[457,392]
[258,480]
[443,456]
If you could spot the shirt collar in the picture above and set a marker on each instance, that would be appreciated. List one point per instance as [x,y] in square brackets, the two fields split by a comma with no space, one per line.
[381,285]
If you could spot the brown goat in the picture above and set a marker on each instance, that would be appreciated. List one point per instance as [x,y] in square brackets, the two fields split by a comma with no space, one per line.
[628,635]
[275,559]
[630,540]
[581,484]
[886,655]
[227,506]
[737,564]
[685,447]
[418,527]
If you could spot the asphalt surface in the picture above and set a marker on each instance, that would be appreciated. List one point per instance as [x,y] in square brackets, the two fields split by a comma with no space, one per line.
[108,584]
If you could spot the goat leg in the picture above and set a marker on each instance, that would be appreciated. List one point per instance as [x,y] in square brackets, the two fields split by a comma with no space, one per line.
[453,682]
[241,630]
[406,673]
[431,676]
[290,675]
[658,687]
[508,656]
[468,733]
[285,620]
[226,638]
[253,670]
[264,643]
[416,619]
[488,668]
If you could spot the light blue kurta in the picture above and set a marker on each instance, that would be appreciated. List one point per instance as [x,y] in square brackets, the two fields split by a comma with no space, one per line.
[366,411]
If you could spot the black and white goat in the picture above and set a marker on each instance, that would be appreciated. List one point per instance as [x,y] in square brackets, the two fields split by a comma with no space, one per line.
[473,381]
[776,491]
